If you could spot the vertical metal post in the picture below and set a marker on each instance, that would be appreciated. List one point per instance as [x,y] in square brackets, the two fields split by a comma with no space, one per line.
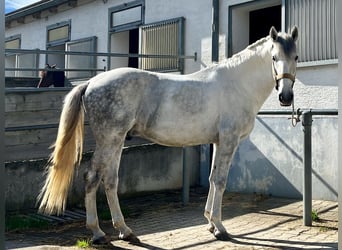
[215,33]
[186,178]
[307,177]
[2,126]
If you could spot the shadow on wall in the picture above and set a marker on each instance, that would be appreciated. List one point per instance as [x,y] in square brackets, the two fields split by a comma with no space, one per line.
[270,161]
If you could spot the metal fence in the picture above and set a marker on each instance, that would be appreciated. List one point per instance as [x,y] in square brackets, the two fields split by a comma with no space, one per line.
[17,64]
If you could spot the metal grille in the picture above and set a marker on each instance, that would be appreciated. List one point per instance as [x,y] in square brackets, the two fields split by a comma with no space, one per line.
[164,39]
[316,22]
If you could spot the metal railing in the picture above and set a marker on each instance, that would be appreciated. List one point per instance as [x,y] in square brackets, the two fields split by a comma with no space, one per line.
[307,115]
[38,52]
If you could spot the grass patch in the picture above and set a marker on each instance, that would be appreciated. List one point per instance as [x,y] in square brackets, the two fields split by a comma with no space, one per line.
[19,222]
[314,216]
[83,243]
[323,229]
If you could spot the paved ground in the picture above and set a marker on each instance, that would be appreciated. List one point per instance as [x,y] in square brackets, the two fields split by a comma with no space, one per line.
[162,222]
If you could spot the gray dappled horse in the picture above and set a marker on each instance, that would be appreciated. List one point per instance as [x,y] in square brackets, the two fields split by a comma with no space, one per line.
[215,105]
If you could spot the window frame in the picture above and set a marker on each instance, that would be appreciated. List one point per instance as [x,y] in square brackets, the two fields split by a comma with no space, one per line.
[124,7]
[57,26]
[13,38]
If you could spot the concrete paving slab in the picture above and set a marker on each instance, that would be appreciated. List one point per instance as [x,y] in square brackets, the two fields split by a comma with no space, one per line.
[162,222]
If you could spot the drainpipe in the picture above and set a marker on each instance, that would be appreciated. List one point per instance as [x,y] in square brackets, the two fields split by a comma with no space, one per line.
[2,127]
[215,31]
[205,148]
[307,176]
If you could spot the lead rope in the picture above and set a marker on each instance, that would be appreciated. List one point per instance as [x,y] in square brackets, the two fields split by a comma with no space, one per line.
[295,119]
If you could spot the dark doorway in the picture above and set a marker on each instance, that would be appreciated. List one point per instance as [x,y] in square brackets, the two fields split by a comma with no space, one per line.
[260,22]
[133,48]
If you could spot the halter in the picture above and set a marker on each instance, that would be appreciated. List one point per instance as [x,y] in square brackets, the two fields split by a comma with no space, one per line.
[294,120]
[278,77]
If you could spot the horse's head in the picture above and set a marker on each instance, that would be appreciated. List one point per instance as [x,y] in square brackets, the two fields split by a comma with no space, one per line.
[284,63]
[48,78]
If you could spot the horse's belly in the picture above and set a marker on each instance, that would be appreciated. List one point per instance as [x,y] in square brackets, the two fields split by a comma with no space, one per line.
[177,135]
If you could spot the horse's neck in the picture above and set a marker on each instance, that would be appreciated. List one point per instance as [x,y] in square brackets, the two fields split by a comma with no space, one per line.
[251,70]
[256,79]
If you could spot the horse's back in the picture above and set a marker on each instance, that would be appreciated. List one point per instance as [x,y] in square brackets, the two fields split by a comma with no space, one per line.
[151,105]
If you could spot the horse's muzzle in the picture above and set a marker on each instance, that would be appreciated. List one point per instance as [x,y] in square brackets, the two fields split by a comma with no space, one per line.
[286,99]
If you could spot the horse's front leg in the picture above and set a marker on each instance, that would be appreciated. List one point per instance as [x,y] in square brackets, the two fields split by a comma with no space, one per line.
[218,180]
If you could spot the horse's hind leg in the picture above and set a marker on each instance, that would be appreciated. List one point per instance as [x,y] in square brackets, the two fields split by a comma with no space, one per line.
[92,179]
[105,166]
[110,180]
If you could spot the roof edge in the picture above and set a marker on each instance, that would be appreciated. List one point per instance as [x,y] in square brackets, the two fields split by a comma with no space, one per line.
[32,9]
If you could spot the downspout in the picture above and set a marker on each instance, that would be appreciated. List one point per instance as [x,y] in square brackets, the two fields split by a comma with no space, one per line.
[205,160]
[215,31]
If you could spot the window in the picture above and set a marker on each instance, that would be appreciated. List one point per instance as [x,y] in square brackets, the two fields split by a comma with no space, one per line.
[80,61]
[17,60]
[164,39]
[58,33]
[13,42]
[126,16]
[261,20]
[251,21]
[316,20]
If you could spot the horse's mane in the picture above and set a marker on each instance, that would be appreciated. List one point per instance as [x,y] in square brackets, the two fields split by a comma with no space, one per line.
[247,53]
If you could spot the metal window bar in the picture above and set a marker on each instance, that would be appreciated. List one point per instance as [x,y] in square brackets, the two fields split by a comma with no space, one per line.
[159,39]
[315,19]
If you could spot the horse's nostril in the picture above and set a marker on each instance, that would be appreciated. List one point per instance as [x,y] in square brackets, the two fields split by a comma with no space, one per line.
[281,99]
[286,100]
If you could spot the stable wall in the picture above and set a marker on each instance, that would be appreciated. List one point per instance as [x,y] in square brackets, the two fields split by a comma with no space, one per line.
[144,168]
[31,120]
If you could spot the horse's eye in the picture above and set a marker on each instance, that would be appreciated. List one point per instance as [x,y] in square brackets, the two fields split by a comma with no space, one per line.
[274,58]
[296,58]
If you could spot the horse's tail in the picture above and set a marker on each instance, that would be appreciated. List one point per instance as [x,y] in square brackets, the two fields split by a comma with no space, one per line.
[66,154]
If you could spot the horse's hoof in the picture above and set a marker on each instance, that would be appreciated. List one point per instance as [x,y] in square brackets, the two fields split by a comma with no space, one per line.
[101,241]
[130,238]
[223,236]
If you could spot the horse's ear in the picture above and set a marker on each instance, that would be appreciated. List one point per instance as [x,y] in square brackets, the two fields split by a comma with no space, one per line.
[273,34]
[294,33]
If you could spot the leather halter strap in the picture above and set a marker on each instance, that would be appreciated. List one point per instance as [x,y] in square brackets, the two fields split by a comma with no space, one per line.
[285,75]
[278,77]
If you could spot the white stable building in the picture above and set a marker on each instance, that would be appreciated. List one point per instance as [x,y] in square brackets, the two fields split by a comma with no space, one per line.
[196,33]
